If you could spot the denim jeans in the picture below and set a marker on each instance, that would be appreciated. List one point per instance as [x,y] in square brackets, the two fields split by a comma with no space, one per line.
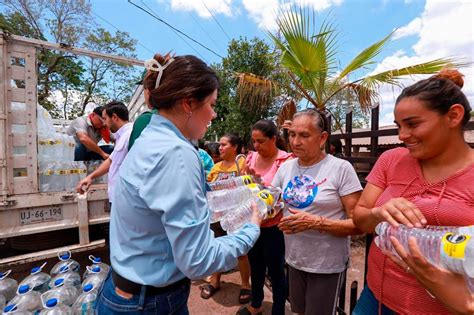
[173,302]
[81,153]
[269,254]
[369,305]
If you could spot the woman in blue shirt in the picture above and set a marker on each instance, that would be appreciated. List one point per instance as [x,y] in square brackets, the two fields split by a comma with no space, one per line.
[159,223]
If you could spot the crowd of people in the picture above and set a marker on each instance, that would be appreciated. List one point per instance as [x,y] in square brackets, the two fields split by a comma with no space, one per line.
[161,237]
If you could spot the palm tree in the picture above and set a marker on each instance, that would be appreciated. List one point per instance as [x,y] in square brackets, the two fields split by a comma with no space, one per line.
[313,67]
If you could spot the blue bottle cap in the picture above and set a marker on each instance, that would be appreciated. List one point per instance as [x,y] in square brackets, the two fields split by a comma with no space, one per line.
[52,302]
[65,256]
[9,308]
[64,269]
[1,275]
[59,282]
[35,270]
[96,269]
[97,260]
[23,288]
[87,287]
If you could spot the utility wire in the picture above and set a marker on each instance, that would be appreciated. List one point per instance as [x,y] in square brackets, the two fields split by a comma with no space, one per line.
[204,30]
[103,19]
[179,35]
[215,20]
[175,29]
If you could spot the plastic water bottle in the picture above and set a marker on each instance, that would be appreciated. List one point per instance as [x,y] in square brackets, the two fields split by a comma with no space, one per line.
[85,303]
[69,277]
[220,201]
[13,309]
[235,219]
[65,294]
[7,285]
[53,307]
[37,280]
[451,248]
[27,300]
[232,182]
[96,262]
[95,277]
[65,260]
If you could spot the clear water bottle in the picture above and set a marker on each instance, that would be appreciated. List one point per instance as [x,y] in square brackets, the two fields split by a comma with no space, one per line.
[65,260]
[96,262]
[7,285]
[220,201]
[53,307]
[85,303]
[69,277]
[232,182]
[27,300]
[95,277]
[451,248]
[264,202]
[37,280]
[13,309]
[65,294]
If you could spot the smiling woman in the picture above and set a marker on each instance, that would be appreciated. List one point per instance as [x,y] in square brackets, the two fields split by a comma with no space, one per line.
[422,184]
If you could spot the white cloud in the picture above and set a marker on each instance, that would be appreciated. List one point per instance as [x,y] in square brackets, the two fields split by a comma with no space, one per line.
[202,7]
[264,12]
[413,28]
[446,31]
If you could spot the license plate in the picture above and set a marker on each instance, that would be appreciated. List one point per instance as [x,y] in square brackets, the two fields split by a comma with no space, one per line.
[38,215]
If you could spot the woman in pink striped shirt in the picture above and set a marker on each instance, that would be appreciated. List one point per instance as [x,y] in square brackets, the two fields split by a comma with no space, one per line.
[429,182]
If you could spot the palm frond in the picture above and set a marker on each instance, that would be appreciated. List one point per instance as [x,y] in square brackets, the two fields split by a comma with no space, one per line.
[254,91]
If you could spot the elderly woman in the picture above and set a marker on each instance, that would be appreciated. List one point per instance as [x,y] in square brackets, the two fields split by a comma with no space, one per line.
[321,192]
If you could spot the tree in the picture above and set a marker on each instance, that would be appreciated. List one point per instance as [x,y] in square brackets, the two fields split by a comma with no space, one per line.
[66,82]
[238,114]
[311,60]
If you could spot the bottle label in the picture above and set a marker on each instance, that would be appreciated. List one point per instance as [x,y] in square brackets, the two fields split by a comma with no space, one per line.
[454,245]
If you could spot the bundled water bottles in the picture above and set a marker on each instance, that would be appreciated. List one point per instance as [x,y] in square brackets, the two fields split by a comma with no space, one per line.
[451,248]
[86,302]
[37,280]
[53,307]
[26,300]
[232,182]
[65,293]
[8,286]
[265,201]
[96,262]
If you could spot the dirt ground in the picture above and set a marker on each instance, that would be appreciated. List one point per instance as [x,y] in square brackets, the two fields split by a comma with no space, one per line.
[225,301]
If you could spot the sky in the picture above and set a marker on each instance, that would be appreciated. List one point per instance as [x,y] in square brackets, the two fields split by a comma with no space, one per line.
[425,29]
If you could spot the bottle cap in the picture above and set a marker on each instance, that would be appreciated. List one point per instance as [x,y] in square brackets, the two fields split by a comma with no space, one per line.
[35,270]
[59,282]
[10,308]
[52,302]
[88,287]
[96,269]
[65,256]
[64,269]
[22,289]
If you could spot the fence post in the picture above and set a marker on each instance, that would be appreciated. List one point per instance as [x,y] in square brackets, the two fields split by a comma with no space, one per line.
[348,141]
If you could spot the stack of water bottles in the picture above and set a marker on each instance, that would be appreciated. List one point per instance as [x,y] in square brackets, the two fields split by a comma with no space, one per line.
[56,166]
[230,201]
[448,247]
[60,292]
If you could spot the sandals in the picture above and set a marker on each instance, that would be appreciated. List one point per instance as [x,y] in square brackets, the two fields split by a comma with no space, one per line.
[208,290]
[245,296]
[246,311]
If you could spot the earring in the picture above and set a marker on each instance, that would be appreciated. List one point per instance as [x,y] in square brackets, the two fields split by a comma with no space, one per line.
[189,114]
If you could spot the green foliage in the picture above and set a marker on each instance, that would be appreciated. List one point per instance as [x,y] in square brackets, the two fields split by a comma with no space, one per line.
[244,56]
[66,82]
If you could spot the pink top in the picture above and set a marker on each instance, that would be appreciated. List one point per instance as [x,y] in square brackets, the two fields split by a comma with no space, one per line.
[449,202]
[267,176]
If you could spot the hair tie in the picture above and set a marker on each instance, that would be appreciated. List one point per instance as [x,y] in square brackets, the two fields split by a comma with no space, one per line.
[155,66]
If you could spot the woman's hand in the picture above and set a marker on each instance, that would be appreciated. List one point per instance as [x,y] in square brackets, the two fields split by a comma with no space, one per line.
[448,287]
[400,211]
[298,221]
[256,215]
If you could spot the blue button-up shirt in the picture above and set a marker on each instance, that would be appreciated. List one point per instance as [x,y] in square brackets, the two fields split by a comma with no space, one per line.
[159,223]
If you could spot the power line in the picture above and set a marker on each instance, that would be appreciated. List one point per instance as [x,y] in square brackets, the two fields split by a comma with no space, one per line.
[103,19]
[216,20]
[179,35]
[204,30]
[175,29]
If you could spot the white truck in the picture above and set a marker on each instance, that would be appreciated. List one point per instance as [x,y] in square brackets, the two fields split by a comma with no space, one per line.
[24,210]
